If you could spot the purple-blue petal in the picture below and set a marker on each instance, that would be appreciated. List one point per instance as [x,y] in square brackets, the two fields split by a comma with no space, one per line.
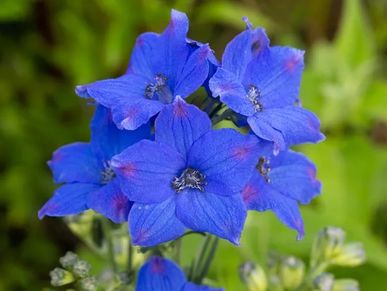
[180,124]
[75,162]
[193,287]
[226,157]
[153,224]
[261,196]
[276,73]
[107,140]
[223,216]
[160,274]
[286,126]
[110,202]
[231,92]
[69,199]
[146,170]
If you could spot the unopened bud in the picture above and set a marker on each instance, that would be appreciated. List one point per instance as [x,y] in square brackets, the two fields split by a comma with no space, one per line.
[253,276]
[60,277]
[327,244]
[81,268]
[291,272]
[346,285]
[324,282]
[350,255]
[88,284]
[68,260]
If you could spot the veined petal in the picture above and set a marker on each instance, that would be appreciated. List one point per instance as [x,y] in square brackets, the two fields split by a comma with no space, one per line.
[261,196]
[242,49]
[110,202]
[286,126]
[69,199]
[107,140]
[179,125]
[231,92]
[160,274]
[193,287]
[195,72]
[75,162]
[146,170]
[223,216]
[153,224]
[226,157]
[294,176]
[276,73]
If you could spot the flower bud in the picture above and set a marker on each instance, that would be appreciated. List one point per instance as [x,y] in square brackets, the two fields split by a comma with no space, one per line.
[346,285]
[68,260]
[350,255]
[253,276]
[81,268]
[324,282]
[60,277]
[88,284]
[327,244]
[291,272]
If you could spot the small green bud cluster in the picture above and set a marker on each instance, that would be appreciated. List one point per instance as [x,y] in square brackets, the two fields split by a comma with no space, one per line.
[73,271]
[290,273]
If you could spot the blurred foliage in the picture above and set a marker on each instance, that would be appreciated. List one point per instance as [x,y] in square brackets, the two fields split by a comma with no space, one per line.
[48,47]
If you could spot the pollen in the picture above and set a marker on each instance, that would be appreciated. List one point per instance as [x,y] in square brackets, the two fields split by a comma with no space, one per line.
[254,94]
[189,178]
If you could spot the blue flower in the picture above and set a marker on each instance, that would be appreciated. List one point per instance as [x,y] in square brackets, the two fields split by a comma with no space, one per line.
[189,177]
[279,183]
[162,67]
[85,171]
[262,83]
[164,275]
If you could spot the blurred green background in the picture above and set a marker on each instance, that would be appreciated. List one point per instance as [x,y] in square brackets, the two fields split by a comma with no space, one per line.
[48,47]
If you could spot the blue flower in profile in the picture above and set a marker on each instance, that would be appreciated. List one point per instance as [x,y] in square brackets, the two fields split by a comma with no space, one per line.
[85,172]
[279,183]
[262,83]
[189,177]
[164,275]
[162,67]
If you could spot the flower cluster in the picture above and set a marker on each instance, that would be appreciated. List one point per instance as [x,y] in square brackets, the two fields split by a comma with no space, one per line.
[155,160]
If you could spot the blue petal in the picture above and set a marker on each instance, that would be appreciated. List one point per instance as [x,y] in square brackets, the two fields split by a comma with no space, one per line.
[193,287]
[242,49]
[110,202]
[160,274]
[194,73]
[261,196]
[153,224]
[179,125]
[69,199]
[146,170]
[125,96]
[223,216]
[226,157]
[231,92]
[286,126]
[107,140]
[294,176]
[276,73]
[75,162]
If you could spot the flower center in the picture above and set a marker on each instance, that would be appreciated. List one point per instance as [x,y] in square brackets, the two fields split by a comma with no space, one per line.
[107,174]
[263,168]
[253,94]
[189,178]
[159,90]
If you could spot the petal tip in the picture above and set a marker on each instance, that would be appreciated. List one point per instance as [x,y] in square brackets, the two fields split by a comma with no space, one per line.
[81,91]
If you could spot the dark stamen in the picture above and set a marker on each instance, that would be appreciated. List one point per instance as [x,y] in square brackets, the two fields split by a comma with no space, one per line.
[253,94]
[159,89]
[189,178]
[107,174]
[263,168]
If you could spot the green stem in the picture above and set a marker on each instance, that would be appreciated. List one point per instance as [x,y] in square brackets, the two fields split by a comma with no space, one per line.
[130,258]
[108,236]
[202,264]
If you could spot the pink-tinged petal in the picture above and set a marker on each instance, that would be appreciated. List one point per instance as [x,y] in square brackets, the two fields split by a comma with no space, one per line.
[146,170]
[153,224]
[180,124]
